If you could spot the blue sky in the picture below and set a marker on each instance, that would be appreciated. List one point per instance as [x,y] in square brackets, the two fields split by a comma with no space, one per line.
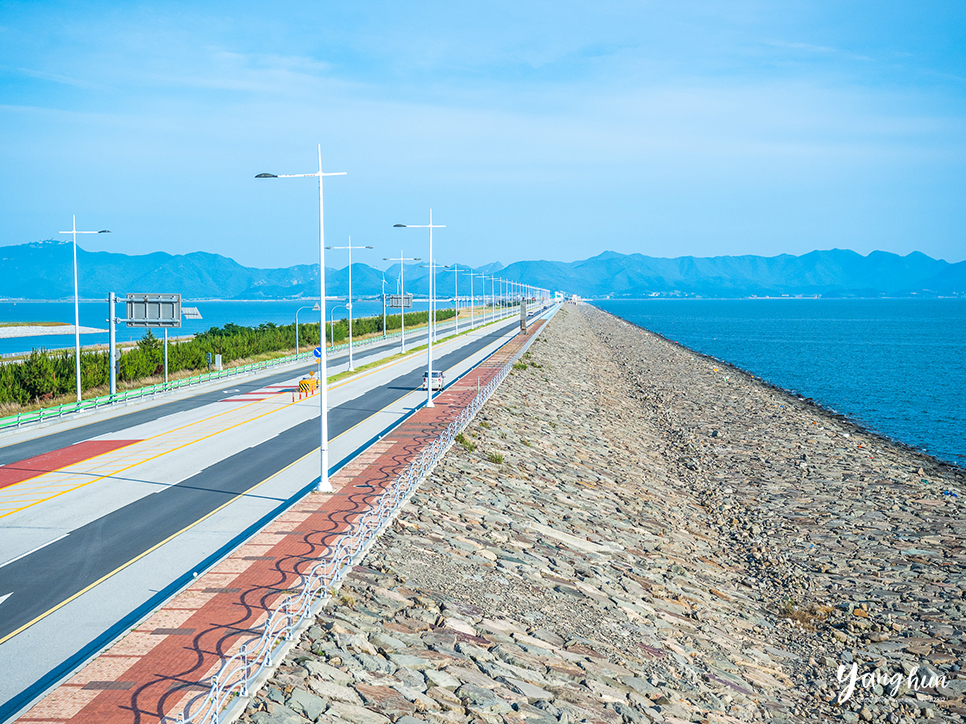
[535,130]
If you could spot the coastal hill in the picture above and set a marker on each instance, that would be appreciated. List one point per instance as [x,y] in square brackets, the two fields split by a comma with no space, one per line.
[835,272]
[43,270]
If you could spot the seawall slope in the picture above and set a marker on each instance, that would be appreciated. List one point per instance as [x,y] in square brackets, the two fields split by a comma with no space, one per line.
[630,534]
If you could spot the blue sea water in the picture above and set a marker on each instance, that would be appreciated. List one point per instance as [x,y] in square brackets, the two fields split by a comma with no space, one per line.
[895,366]
[214,314]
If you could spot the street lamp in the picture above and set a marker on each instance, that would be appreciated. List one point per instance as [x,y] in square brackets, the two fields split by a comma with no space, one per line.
[506,297]
[483,298]
[429,348]
[493,297]
[332,322]
[75,232]
[432,296]
[316,308]
[472,274]
[455,269]
[349,305]
[323,382]
[384,305]
[402,298]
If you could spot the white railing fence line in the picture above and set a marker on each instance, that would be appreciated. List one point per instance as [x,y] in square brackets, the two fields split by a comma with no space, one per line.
[240,670]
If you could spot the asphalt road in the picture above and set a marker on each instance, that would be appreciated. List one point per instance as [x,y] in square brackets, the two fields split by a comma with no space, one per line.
[64,438]
[42,580]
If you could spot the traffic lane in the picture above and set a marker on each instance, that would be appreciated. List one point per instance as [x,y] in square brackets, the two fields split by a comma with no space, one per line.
[46,578]
[108,484]
[35,525]
[381,397]
[70,564]
[97,428]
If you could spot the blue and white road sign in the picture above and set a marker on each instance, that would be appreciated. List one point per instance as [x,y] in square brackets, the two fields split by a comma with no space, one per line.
[317,352]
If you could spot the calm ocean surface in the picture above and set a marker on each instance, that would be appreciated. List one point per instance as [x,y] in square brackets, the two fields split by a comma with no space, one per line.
[214,314]
[896,366]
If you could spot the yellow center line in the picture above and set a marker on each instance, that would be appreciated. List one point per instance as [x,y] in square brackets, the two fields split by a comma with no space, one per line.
[149,550]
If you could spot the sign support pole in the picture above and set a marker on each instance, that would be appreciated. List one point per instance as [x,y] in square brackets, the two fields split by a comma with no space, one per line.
[113,342]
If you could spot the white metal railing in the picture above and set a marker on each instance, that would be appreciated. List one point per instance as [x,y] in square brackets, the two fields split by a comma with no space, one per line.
[240,671]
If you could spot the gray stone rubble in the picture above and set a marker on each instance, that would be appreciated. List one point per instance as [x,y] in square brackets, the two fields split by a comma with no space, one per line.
[630,532]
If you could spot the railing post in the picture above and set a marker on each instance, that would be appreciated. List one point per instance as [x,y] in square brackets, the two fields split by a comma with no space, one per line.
[248,671]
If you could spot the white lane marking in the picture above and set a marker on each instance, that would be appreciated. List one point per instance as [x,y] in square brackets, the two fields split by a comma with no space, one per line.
[4,598]
[24,555]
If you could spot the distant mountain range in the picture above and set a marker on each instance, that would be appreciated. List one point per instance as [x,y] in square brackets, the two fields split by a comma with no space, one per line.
[43,270]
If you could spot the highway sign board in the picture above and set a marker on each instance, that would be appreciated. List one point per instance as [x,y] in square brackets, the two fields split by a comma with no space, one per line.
[153,310]
[400,301]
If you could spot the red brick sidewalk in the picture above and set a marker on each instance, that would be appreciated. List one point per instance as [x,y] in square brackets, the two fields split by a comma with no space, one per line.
[155,670]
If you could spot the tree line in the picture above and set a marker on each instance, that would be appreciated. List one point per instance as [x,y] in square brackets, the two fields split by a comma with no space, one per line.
[44,374]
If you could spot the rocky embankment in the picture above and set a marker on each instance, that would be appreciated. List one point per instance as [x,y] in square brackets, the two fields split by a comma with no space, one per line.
[633,533]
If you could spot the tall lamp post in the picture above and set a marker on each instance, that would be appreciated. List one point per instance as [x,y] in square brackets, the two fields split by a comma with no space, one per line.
[316,308]
[75,232]
[323,385]
[472,274]
[492,298]
[384,305]
[432,296]
[483,298]
[332,322]
[349,304]
[429,348]
[455,269]
[402,298]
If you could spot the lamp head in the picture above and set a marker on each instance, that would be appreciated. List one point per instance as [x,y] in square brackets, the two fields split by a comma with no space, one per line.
[370,247]
[104,231]
[266,175]
[399,226]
